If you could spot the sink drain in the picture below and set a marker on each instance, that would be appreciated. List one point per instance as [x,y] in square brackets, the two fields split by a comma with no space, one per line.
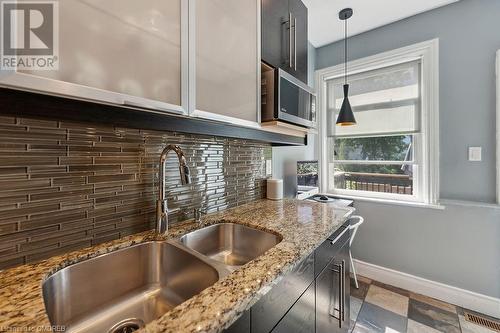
[127,326]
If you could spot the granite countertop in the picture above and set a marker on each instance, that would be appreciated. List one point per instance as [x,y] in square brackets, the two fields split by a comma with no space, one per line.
[303,226]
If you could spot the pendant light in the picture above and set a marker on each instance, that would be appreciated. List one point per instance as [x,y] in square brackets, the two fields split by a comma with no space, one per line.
[346,117]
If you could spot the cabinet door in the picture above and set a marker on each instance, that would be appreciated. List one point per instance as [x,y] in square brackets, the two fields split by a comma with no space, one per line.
[299,24]
[116,51]
[327,251]
[300,318]
[275,33]
[344,255]
[242,325]
[268,311]
[227,60]
[332,295]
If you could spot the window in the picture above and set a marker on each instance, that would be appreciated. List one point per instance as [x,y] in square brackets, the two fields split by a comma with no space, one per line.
[392,152]
[378,164]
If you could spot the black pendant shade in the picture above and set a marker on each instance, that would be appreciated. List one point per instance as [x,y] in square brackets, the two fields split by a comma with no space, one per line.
[346,116]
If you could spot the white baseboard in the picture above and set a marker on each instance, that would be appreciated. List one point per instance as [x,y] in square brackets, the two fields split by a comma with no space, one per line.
[461,297]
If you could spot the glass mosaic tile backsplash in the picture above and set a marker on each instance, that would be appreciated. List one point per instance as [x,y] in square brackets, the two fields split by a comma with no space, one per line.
[65,186]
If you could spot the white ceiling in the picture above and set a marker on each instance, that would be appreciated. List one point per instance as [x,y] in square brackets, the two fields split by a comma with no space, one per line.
[325,26]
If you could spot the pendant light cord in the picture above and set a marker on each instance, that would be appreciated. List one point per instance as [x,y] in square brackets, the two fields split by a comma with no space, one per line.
[345,50]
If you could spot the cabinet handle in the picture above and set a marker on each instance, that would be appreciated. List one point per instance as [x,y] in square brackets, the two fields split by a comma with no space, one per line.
[341,305]
[342,291]
[339,236]
[290,39]
[295,43]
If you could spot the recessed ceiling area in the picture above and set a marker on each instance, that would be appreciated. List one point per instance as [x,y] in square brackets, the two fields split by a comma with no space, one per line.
[325,26]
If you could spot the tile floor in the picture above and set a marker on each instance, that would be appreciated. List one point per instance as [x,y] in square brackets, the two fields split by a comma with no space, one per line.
[380,308]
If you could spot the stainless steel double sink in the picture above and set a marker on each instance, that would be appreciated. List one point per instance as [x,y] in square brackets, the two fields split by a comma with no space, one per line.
[121,291]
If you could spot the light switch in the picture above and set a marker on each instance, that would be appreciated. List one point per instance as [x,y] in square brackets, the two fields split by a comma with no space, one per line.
[475,154]
[269,167]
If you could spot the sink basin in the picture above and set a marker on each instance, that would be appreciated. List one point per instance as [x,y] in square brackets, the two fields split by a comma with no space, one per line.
[229,243]
[123,290]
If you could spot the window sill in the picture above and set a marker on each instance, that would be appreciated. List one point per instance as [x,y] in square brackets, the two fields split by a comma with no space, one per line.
[391,202]
[476,204]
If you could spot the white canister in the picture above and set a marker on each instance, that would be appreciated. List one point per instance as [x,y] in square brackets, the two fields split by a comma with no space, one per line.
[275,189]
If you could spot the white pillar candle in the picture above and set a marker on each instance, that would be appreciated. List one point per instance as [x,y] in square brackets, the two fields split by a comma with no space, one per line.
[275,189]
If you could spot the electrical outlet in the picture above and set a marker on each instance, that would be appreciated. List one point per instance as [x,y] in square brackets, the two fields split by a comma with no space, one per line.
[475,154]
[269,167]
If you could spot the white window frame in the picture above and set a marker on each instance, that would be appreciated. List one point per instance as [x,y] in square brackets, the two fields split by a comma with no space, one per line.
[428,53]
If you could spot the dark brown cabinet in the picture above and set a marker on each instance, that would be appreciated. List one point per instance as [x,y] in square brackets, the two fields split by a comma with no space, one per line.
[301,317]
[284,36]
[329,249]
[275,32]
[313,297]
[300,40]
[242,325]
[269,310]
[332,295]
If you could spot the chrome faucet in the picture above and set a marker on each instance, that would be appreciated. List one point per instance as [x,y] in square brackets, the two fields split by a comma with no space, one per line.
[161,204]
[198,213]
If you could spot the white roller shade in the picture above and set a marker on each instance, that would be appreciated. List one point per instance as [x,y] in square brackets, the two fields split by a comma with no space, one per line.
[385,101]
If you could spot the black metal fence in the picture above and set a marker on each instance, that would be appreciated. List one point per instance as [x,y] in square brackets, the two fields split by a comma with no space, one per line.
[374,182]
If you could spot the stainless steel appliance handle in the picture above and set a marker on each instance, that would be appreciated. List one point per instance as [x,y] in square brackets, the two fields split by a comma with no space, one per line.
[341,305]
[290,39]
[295,43]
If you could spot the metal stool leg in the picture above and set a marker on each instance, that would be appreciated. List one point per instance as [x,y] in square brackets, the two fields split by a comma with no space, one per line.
[353,271]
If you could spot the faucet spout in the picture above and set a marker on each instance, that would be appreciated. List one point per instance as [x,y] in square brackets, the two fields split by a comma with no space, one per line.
[161,204]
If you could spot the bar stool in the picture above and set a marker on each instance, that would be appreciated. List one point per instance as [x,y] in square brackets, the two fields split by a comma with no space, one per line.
[354,228]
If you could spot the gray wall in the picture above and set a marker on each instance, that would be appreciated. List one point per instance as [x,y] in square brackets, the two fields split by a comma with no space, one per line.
[467,85]
[285,158]
[460,245]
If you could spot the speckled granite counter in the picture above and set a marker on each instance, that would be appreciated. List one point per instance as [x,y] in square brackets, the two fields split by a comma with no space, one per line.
[303,226]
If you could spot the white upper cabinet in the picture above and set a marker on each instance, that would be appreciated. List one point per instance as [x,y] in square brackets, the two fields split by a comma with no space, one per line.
[227,60]
[192,57]
[118,51]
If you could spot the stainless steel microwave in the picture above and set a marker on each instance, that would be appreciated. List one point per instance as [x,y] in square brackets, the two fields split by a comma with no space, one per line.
[286,98]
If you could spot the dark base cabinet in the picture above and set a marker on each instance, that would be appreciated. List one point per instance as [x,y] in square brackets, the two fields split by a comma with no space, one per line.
[242,325]
[301,316]
[273,306]
[332,294]
[313,297]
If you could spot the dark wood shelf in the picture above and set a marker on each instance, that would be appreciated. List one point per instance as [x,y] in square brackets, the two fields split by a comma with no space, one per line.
[29,104]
